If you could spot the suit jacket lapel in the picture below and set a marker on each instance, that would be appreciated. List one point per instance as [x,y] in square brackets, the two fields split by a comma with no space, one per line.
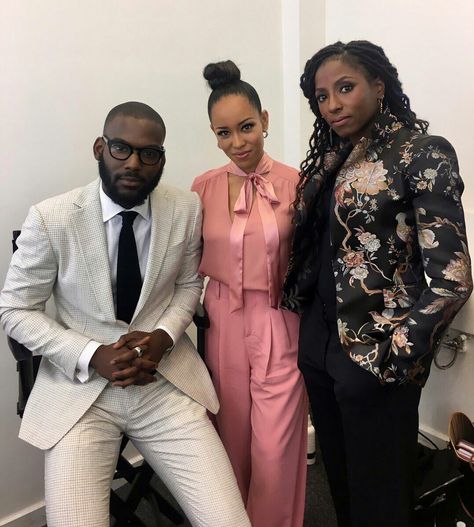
[162,211]
[91,240]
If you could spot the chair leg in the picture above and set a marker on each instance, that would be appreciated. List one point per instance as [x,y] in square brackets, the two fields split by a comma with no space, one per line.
[140,488]
[124,516]
[161,505]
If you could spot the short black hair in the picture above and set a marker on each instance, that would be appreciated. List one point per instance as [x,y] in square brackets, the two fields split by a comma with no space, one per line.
[139,110]
[224,79]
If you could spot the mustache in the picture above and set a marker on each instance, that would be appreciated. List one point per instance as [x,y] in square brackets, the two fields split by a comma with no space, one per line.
[130,174]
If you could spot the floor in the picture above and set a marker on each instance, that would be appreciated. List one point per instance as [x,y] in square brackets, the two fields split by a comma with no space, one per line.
[319,510]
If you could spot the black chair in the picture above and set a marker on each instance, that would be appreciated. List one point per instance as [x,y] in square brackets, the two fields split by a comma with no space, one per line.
[139,477]
[436,490]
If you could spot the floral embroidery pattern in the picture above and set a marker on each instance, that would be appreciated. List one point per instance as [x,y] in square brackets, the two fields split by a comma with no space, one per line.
[383,245]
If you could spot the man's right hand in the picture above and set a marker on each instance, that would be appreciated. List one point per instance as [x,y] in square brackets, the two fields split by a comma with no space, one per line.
[138,370]
[101,361]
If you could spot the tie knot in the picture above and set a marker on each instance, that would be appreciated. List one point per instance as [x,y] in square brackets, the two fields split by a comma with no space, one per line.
[128,217]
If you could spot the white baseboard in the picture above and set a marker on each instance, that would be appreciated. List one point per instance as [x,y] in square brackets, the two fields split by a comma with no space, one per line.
[438,438]
[32,516]
[35,515]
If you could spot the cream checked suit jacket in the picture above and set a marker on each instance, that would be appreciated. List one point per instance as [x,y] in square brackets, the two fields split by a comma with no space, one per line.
[62,251]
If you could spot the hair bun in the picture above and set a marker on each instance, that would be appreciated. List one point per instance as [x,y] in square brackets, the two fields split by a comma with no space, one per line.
[221,73]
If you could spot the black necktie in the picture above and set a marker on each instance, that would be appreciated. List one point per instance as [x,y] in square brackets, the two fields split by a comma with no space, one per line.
[129,279]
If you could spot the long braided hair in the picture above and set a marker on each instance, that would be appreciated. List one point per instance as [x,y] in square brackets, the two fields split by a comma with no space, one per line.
[373,62]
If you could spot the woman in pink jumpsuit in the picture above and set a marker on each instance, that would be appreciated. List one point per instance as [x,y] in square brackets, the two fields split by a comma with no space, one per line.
[251,346]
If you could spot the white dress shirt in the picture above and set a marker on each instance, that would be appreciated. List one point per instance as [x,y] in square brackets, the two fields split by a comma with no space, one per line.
[113,226]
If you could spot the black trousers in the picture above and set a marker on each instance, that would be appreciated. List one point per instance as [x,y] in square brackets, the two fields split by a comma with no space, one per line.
[367,432]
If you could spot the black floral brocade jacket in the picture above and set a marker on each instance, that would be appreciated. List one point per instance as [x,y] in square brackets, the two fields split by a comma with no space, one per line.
[396,218]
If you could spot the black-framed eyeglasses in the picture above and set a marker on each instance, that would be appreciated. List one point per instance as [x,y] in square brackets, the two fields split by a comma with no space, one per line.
[149,155]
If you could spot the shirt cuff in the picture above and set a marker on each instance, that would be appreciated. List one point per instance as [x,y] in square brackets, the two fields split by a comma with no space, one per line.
[83,370]
[164,328]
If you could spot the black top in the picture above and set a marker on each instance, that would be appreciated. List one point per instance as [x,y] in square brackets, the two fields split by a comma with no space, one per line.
[318,330]
[325,284]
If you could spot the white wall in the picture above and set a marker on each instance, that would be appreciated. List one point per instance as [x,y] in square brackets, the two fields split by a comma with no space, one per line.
[303,32]
[312,38]
[431,44]
[64,65]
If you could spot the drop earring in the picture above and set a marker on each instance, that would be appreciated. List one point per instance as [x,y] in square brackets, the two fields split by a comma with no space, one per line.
[381,105]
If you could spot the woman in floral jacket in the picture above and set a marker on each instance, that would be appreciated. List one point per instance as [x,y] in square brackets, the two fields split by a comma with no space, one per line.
[379,268]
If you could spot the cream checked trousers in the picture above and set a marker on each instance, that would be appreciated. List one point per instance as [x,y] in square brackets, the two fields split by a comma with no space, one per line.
[174,435]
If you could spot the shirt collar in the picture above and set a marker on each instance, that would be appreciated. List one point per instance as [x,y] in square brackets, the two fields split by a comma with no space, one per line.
[384,129]
[111,209]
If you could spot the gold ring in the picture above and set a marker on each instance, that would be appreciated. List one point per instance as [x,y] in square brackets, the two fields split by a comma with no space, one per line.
[139,351]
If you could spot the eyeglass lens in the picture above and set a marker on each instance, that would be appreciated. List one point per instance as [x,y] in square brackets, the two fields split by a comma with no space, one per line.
[122,151]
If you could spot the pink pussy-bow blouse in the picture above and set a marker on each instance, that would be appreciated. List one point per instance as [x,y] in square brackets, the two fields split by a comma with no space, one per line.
[266,197]
[231,249]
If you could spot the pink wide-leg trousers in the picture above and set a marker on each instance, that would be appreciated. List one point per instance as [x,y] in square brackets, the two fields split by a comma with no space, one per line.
[252,355]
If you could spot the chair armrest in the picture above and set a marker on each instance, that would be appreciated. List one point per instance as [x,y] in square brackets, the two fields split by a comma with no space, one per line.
[15,235]
[27,367]
[201,318]
[27,364]
[19,351]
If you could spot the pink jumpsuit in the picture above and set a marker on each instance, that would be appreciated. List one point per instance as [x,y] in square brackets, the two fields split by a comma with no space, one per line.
[251,346]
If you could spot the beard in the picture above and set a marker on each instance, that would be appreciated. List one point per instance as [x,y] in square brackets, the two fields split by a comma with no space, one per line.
[129,198]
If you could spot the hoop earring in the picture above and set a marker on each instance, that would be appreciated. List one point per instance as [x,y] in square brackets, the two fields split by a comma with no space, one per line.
[265,134]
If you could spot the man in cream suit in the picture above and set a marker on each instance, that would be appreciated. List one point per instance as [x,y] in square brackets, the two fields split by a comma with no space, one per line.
[104,374]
